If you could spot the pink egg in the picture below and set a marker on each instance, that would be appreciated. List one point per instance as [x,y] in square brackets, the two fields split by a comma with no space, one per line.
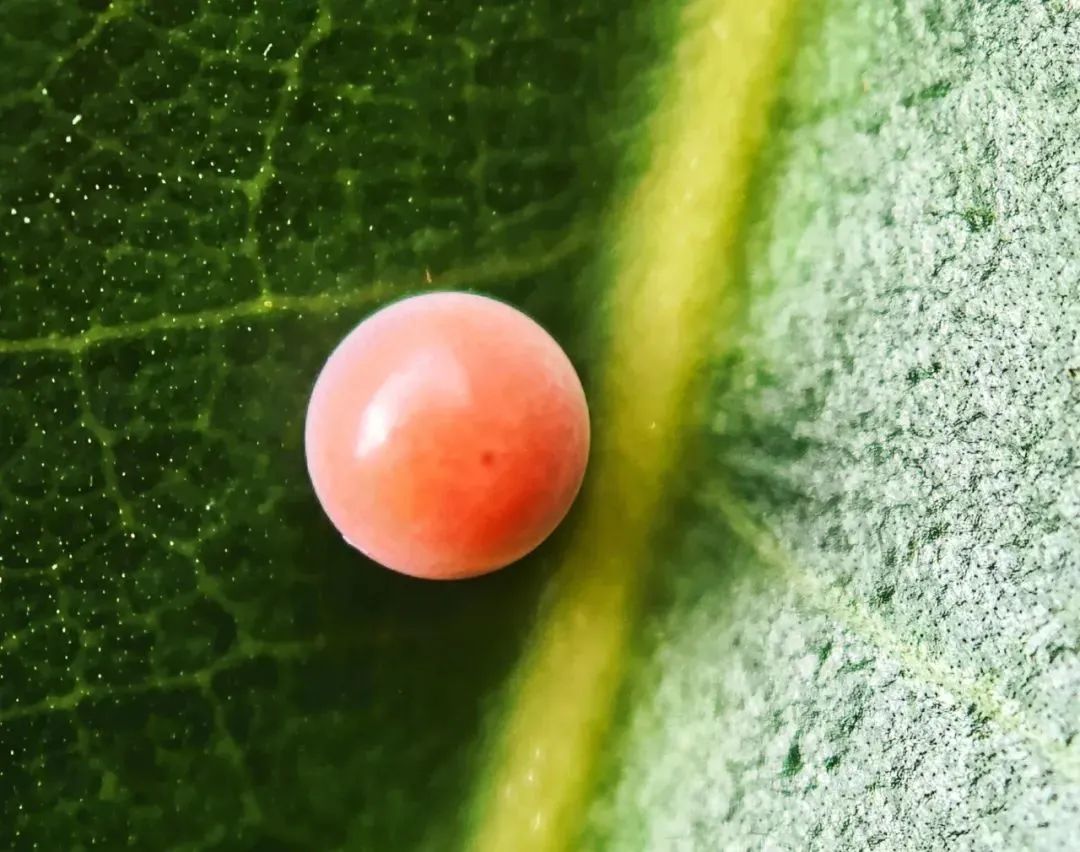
[447,435]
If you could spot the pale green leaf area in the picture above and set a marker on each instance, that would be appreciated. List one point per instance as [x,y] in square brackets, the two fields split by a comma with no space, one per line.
[869,636]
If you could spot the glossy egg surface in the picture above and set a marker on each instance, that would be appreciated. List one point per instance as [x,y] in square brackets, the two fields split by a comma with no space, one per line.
[447,435]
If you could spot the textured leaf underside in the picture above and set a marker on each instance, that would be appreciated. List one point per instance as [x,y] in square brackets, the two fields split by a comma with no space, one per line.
[882,648]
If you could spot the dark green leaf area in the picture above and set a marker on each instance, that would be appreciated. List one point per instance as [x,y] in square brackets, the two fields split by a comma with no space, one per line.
[232,670]
[197,201]
[287,147]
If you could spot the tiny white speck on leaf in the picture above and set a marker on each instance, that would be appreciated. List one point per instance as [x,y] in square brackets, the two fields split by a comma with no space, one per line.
[76,120]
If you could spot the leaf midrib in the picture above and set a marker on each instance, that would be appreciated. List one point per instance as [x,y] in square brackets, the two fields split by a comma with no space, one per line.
[675,243]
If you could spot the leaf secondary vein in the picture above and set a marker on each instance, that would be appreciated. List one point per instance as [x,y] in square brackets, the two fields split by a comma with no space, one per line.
[956,683]
[492,271]
[264,175]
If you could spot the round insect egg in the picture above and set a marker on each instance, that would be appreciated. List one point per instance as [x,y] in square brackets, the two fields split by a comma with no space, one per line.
[447,435]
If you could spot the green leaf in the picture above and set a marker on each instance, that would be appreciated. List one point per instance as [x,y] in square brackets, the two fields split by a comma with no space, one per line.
[842,614]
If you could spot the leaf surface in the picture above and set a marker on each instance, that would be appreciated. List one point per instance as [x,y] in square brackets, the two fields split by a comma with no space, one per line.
[869,635]
[850,616]
[199,200]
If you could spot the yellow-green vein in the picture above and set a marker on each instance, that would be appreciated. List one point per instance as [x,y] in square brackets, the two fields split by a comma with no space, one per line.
[674,245]
[486,274]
